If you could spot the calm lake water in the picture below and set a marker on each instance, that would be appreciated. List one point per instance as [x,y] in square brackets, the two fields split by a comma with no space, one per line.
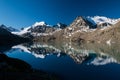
[70,61]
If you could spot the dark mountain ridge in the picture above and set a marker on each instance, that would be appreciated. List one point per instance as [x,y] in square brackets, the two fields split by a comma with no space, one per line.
[6,37]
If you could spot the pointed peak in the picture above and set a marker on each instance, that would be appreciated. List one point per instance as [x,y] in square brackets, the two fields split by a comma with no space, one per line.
[2,25]
[80,17]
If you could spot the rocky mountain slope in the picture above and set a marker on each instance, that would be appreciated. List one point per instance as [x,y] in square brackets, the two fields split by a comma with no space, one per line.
[108,34]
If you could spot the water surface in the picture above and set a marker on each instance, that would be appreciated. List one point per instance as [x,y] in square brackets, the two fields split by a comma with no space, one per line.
[70,61]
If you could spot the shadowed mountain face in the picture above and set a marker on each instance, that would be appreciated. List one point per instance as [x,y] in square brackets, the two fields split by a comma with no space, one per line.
[7,37]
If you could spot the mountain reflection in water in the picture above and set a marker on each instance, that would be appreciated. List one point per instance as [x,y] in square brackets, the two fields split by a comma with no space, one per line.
[71,61]
[79,55]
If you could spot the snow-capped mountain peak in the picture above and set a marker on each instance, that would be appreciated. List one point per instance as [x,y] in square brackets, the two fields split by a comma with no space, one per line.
[102,19]
[42,23]
[3,26]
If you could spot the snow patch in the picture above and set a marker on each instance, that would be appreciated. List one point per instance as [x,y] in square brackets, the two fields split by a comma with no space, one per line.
[108,42]
[70,28]
[25,30]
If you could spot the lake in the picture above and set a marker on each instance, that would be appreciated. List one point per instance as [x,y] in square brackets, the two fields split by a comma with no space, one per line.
[70,61]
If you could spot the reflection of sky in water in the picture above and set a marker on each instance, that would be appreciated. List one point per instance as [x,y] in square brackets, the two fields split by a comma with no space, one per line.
[66,65]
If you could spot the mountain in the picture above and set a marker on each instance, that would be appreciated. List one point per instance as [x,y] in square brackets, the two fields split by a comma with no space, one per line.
[3,31]
[11,29]
[40,29]
[102,21]
[89,23]
[81,23]
[6,37]
[101,34]
[36,29]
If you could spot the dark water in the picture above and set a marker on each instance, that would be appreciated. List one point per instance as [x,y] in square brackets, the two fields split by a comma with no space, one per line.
[71,62]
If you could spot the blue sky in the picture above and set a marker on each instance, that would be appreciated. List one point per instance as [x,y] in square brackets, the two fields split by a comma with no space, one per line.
[23,13]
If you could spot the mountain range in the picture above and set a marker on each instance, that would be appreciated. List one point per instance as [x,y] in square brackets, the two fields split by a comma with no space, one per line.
[97,29]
